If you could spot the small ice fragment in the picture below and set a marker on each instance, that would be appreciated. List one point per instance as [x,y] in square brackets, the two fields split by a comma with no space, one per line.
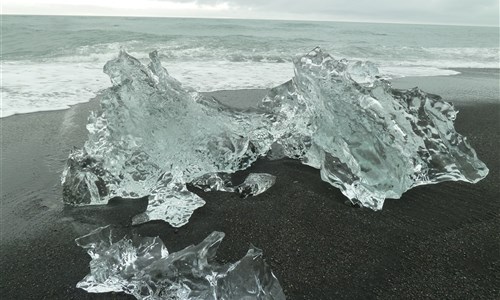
[255,184]
[362,72]
[214,182]
[142,267]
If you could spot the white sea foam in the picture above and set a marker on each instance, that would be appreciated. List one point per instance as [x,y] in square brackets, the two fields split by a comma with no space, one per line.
[36,86]
[57,83]
[29,87]
[415,71]
[224,75]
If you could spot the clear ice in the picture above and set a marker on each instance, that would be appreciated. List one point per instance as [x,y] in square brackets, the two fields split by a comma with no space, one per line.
[254,184]
[153,136]
[143,267]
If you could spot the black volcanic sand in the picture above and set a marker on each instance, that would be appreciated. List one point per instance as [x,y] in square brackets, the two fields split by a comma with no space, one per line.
[439,241]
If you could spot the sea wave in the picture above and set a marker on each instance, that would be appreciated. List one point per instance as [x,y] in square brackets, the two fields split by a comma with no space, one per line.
[182,51]
[67,77]
[56,84]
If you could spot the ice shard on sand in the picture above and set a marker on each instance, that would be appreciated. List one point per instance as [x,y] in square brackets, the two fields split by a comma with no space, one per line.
[153,136]
[143,267]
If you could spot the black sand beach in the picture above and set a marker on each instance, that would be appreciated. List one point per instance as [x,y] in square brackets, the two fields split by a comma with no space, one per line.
[437,242]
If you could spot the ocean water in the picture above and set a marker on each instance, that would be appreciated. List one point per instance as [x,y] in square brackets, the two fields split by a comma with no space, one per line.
[51,62]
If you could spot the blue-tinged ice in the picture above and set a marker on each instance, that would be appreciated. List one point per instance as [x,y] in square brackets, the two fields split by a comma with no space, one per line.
[143,267]
[371,141]
[153,136]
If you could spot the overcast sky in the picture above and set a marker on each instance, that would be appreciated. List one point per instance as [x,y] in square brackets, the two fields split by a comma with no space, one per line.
[463,12]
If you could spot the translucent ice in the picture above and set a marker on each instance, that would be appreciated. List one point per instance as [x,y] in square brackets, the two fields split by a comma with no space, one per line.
[153,136]
[254,184]
[368,139]
[142,267]
[373,142]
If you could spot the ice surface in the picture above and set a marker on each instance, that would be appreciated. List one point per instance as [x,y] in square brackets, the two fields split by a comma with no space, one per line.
[254,184]
[153,136]
[142,267]
[368,139]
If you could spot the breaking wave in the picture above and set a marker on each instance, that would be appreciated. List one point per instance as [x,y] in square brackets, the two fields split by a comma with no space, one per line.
[54,83]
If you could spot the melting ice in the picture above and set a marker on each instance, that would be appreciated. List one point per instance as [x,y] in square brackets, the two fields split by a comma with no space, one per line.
[143,267]
[153,136]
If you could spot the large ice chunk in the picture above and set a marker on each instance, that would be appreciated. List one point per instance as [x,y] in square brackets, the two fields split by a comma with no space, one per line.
[143,267]
[368,139]
[153,136]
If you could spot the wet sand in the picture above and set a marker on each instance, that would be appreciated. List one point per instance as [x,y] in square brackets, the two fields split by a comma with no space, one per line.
[437,242]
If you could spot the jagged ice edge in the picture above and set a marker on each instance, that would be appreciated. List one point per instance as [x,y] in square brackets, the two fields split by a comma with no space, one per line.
[368,139]
[143,267]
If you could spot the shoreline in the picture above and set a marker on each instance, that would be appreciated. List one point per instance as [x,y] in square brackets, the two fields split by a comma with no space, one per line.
[427,84]
[471,86]
[438,241]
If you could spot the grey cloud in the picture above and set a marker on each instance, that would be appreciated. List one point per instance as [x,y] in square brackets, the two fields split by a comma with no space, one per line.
[479,12]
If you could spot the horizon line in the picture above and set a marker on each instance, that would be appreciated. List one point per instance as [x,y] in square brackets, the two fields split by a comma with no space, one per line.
[239,18]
